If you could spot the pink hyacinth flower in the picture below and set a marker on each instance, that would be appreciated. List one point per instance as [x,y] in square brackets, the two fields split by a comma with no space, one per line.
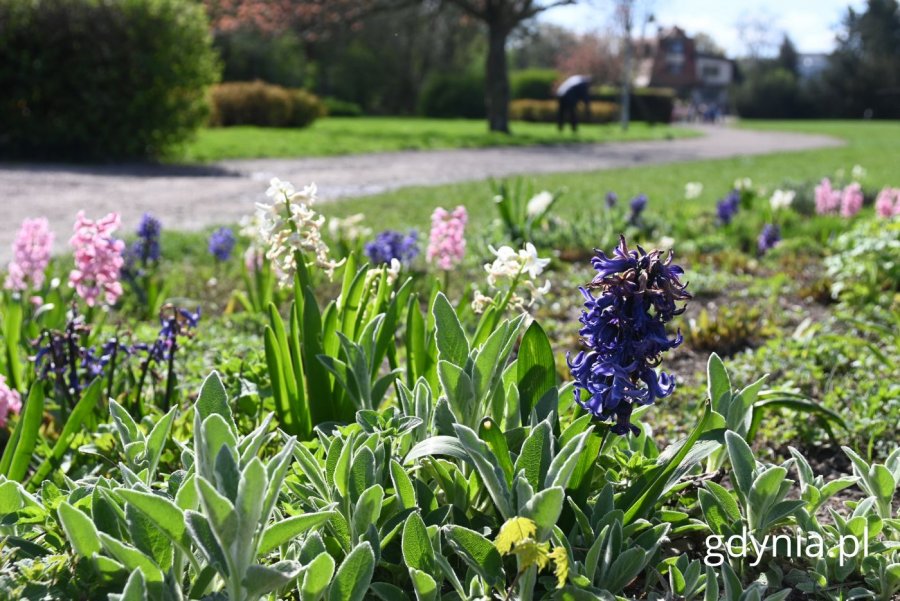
[887,204]
[98,259]
[828,200]
[851,200]
[447,243]
[10,401]
[31,255]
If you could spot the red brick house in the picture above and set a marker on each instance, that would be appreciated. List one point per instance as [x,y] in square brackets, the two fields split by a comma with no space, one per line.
[671,60]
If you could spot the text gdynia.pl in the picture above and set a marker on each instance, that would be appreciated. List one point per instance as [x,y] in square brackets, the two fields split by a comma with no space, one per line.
[810,545]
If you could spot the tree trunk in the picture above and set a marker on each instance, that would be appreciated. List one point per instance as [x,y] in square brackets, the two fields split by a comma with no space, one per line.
[497,84]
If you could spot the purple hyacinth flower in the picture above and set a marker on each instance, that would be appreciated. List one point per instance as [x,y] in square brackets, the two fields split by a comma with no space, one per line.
[146,248]
[728,207]
[611,199]
[221,243]
[390,245]
[627,306]
[769,237]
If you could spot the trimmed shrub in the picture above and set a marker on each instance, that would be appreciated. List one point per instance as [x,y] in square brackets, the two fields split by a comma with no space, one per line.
[653,105]
[534,84]
[262,104]
[453,96]
[545,111]
[102,79]
[305,108]
[341,108]
[771,94]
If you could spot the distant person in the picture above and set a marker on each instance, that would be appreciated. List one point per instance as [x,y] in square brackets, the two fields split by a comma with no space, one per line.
[573,90]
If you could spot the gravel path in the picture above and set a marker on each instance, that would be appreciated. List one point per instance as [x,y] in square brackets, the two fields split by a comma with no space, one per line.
[193,197]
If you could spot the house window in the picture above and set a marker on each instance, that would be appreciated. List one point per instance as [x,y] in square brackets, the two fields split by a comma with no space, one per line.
[710,71]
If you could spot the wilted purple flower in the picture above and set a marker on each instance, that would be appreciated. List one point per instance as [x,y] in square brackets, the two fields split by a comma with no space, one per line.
[221,243]
[728,207]
[611,199]
[62,358]
[393,245]
[769,237]
[174,323]
[624,329]
[146,247]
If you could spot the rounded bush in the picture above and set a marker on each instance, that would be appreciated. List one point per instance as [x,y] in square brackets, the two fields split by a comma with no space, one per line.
[305,108]
[263,104]
[102,79]
[453,96]
[533,84]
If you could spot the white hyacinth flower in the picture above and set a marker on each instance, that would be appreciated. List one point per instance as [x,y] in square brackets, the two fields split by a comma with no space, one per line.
[531,263]
[743,183]
[858,172]
[782,199]
[539,203]
[693,190]
[289,224]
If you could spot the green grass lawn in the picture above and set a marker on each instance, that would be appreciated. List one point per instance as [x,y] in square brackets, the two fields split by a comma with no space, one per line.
[874,145]
[337,136]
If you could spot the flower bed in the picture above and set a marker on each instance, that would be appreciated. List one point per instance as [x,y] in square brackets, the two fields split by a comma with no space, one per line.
[339,415]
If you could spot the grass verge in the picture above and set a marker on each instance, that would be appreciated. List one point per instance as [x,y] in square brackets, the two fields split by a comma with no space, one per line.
[344,135]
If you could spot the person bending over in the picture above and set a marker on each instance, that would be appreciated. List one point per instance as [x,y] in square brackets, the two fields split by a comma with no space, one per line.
[573,90]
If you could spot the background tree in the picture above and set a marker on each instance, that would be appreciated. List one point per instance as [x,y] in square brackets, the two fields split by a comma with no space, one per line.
[788,58]
[863,77]
[313,18]
[538,45]
[596,54]
[501,17]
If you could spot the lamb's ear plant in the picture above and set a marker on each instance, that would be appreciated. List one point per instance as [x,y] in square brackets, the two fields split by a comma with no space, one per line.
[745,409]
[472,378]
[686,578]
[616,554]
[141,452]
[879,481]
[759,503]
[213,521]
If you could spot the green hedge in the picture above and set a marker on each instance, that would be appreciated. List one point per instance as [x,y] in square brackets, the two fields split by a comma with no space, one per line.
[102,79]
[533,84]
[335,107]
[653,105]
[453,96]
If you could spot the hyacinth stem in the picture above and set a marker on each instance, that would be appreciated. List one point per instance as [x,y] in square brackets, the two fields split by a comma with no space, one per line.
[447,282]
[112,367]
[138,396]
[501,308]
[301,275]
[170,378]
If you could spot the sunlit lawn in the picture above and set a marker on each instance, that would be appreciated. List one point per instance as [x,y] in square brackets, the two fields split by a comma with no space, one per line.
[874,145]
[337,136]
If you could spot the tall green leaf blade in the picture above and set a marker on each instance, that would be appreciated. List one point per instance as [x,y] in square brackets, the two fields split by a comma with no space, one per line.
[80,414]
[20,447]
